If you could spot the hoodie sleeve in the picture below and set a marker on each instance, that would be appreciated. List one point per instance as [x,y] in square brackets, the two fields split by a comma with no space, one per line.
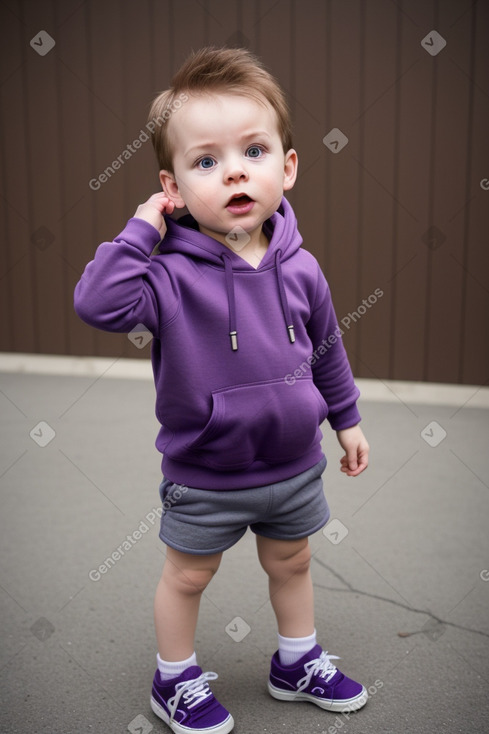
[114,293]
[331,370]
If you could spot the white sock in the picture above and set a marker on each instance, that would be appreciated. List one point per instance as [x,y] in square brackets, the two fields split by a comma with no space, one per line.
[291,649]
[173,670]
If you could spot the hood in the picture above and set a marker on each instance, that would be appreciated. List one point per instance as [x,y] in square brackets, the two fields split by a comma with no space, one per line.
[183,236]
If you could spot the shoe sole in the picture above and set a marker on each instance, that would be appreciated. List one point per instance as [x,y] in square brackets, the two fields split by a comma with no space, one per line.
[346,705]
[223,728]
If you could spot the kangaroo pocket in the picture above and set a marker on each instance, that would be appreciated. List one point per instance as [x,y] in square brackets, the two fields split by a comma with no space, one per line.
[266,421]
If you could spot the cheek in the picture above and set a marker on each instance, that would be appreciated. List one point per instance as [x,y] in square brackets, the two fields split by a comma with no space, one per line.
[275,172]
[186,189]
[196,185]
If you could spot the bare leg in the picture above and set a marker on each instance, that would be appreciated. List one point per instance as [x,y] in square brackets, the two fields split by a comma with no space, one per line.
[287,563]
[177,600]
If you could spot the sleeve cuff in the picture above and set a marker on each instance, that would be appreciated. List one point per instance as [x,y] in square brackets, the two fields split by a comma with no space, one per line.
[140,234]
[346,418]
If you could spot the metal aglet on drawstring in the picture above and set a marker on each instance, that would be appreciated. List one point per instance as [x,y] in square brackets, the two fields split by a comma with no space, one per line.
[234,340]
[290,329]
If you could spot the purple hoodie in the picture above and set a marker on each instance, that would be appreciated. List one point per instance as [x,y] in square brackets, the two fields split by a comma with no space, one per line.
[247,363]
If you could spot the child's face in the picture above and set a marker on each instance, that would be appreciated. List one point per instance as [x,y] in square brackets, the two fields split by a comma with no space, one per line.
[227,145]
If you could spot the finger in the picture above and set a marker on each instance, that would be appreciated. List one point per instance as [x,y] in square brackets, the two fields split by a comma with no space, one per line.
[170,206]
[352,459]
[158,196]
[162,202]
[353,470]
[357,471]
[345,468]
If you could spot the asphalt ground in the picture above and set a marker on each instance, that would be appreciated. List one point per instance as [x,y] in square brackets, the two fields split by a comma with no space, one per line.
[401,572]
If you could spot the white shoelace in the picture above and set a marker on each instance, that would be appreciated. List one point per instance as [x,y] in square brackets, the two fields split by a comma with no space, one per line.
[321,666]
[193,692]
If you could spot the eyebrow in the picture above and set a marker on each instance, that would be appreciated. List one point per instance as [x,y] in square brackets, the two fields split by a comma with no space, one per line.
[212,144]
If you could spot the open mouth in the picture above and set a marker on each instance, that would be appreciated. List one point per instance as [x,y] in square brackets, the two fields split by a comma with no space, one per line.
[239,200]
[240,204]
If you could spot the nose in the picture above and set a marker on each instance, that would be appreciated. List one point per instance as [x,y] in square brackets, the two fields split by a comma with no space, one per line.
[235,170]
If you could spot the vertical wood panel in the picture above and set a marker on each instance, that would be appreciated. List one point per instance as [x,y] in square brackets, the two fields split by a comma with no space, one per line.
[417,152]
[162,62]
[44,152]
[13,251]
[18,202]
[223,23]
[137,90]
[328,124]
[273,26]
[106,83]
[345,171]
[474,341]
[449,156]
[189,21]
[378,120]
[74,165]
[309,83]
[409,277]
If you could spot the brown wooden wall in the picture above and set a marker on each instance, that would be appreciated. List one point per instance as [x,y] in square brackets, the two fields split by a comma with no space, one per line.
[403,207]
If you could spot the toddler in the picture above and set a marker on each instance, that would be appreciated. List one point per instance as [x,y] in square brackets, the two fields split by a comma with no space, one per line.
[247,364]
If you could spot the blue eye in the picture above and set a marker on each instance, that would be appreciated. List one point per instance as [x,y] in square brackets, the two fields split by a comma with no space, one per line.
[206,163]
[254,151]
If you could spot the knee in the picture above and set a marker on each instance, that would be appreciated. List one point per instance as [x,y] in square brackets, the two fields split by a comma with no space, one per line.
[299,562]
[285,565]
[190,581]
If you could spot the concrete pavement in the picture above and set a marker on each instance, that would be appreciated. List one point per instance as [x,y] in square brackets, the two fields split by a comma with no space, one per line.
[401,572]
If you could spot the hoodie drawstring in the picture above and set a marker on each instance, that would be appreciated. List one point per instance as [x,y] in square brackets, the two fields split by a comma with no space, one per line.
[283,298]
[228,272]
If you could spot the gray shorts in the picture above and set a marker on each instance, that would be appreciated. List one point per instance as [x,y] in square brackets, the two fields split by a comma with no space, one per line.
[203,521]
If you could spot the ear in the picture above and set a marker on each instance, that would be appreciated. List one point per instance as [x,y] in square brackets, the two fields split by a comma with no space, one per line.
[170,187]
[290,169]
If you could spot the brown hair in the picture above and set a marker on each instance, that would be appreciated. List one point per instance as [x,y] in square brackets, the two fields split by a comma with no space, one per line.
[233,70]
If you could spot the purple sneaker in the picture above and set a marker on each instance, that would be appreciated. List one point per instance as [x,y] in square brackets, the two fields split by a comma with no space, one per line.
[314,678]
[187,704]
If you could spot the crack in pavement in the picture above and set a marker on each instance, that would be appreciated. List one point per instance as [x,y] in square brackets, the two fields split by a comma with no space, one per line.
[351,588]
